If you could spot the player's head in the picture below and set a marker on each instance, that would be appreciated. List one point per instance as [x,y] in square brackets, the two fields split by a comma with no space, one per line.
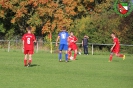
[112,34]
[71,33]
[29,29]
[64,28]
[85,36]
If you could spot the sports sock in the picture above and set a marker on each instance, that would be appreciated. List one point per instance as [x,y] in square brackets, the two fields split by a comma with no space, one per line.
[25,62]
[69,54]
[60,56]
[75,55]
[66,57]
[121,55]
[110,57]
[30,60]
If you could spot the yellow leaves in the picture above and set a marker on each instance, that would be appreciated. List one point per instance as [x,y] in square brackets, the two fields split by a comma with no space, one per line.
[2,14]
[18,13]
[43,1]
[6,4]
[34,20]
[67,2]
[13,20]
[91,0]
[33,28]
[46,27]
[41,11]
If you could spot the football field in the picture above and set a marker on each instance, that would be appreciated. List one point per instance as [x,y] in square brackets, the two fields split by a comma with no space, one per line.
[92,71]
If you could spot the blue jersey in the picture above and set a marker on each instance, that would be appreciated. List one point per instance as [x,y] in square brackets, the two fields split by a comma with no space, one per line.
[63,37]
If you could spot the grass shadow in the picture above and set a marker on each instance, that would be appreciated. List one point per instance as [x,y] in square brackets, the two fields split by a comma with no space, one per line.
[33,65]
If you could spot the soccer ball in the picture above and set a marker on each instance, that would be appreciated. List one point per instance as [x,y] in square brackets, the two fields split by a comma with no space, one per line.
[71,58]
[79,53]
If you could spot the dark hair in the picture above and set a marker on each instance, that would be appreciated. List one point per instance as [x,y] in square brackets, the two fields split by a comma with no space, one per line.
[64,28]
[71,31]
[29,28]
[113,33]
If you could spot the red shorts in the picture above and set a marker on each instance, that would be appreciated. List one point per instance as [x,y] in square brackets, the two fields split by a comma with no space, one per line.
[28,51]
[73,46]
[116,50]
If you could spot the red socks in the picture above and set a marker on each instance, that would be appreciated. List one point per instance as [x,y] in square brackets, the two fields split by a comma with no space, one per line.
[75,55]
[30,60]
[69,54]
[25,62]
[110,57]
[121,55]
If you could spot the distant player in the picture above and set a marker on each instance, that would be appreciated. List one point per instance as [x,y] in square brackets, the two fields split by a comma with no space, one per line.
[72,45]
[63,37]
[115,48]
[28,46]
[85,44]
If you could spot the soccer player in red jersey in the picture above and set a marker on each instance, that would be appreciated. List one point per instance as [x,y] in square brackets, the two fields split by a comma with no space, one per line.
[28,46]
[115,49]
[72,45]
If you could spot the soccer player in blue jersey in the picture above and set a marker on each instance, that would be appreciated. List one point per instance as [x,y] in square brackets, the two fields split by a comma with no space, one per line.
[63,37]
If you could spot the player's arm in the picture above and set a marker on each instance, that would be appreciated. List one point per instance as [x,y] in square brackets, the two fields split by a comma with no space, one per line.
[113,46]
[23,44]
[68,40]
[76,39]
[57,40]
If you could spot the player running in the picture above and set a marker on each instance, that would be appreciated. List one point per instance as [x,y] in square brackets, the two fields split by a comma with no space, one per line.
[63,37]
[115,48]
[28,46]
[72,45]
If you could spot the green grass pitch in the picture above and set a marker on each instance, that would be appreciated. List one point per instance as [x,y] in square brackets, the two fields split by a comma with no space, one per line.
[92,71]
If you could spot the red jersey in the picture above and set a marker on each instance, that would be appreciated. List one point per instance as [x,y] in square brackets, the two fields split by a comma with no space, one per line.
[28,41]
[72,39]
[116,40]
[117,46]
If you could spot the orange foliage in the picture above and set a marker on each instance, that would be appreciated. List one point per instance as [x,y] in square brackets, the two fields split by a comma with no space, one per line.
[2,13]
[43,1]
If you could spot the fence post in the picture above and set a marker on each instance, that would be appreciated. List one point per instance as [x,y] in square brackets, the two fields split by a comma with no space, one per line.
[92,49]
[50,47]
[8,46]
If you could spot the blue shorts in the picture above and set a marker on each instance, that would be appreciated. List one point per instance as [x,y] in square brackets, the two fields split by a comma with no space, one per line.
[63,47]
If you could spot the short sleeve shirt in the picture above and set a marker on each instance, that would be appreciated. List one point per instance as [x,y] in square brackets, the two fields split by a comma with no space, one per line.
[28,41]
[63,37]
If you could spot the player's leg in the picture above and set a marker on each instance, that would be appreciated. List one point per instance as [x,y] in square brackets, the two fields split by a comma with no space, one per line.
[66,49]
[75,54]
[111,56]
[120,55]
[75,48]
[69,53]
[30,60]
[25,60]
[25,57]
[60,51]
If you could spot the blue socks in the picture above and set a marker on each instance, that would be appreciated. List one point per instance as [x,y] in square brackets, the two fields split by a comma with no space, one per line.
[60,56]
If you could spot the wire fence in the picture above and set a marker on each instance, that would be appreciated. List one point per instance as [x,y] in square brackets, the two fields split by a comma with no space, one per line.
[11,45]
